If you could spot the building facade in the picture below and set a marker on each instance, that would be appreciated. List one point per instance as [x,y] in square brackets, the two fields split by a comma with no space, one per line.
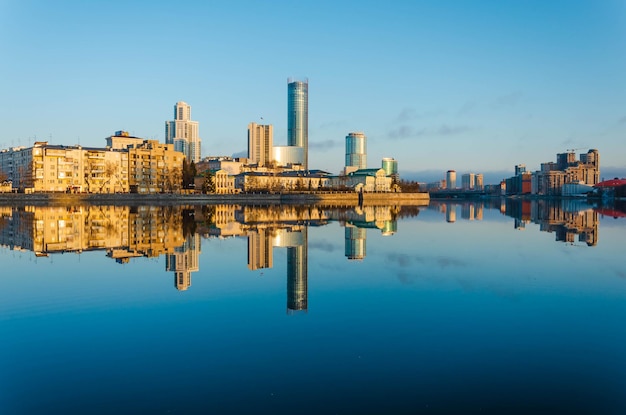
[154,168]
[260,143]
[451,180]
[183,133]
[390,166]
[298,117]
[356,151]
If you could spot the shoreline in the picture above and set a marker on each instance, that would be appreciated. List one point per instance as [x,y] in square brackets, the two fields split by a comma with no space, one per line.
[326,198]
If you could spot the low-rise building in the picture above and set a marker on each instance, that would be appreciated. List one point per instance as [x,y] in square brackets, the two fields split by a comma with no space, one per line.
[145,167]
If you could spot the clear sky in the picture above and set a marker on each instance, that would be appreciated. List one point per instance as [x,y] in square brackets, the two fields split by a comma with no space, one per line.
[467,85]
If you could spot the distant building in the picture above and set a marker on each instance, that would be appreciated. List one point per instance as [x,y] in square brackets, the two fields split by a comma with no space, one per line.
[451,179]
[367,180]
[183,133]
[468,181]
[121,140]
[356,151]
[288,156]
[551,178]
[232,166]
[260,143]
[390,166]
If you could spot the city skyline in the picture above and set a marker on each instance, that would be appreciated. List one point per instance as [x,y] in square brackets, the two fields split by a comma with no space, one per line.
[436,86]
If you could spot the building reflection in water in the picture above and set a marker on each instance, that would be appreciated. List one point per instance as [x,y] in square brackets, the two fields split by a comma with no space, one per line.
[124,232]
[568,219]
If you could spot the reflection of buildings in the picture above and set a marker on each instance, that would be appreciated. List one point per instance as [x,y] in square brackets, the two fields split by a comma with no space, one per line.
[260,249]
[184,261]
[123,232]
[567,218]
[297,275]
[355,242]
[262,238]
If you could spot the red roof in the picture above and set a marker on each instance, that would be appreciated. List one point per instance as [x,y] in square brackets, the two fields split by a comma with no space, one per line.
[611,212]
[612,183]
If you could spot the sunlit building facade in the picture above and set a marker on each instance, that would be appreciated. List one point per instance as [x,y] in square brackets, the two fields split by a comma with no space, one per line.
[260,143]
[183,133]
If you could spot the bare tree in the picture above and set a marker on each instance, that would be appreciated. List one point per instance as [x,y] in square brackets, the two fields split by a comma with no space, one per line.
[109,172]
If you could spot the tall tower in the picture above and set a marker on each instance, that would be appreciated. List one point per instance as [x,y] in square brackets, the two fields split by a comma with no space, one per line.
[260,143]
[183,133]
[356,151]
[451,179]
[298,117]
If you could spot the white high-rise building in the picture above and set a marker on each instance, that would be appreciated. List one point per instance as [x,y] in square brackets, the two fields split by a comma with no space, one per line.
[183,133]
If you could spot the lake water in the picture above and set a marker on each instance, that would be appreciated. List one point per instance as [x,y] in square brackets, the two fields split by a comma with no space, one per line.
[497,307]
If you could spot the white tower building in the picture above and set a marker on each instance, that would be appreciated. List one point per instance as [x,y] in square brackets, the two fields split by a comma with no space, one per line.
[183,133]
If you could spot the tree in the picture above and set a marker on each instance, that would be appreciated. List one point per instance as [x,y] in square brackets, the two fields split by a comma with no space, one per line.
[189,174]
[174,179]
[208,185]
[110,170]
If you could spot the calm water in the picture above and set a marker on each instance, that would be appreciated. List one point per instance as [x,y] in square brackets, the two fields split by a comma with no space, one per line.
[505,307]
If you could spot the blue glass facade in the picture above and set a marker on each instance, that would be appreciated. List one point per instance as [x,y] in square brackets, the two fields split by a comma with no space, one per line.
[356,150]
[298,117]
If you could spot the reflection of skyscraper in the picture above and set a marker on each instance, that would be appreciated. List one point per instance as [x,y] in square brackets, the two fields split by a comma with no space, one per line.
[184,261]
[355,242]
[450,213]
[297,275]
[298,117]
[260,249]
[467,211]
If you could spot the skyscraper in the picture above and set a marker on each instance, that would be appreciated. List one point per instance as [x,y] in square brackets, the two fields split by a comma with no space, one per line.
[260,143]
[451,179]
[183,133]
[356,151]
[298,117]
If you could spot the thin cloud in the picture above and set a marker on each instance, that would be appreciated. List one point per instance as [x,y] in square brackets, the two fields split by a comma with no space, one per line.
[323,145]
[444,130]
[507,100]
[323,246]
[410,114]
[466,108]
[622,120]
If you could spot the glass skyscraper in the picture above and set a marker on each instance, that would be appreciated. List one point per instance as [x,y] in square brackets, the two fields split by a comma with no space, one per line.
[356,150]
[298,117]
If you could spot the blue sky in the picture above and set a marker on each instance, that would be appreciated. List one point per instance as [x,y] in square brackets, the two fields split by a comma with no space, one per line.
[467,85]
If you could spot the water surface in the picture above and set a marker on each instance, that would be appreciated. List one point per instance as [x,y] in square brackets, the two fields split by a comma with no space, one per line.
[497,307]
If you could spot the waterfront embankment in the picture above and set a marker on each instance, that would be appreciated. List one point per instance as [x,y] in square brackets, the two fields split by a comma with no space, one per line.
[305,198]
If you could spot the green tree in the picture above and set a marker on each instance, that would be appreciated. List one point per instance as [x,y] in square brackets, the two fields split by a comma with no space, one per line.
[208,185]
[189,174]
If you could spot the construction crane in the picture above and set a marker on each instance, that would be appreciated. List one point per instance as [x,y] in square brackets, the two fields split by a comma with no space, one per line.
[571,150]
